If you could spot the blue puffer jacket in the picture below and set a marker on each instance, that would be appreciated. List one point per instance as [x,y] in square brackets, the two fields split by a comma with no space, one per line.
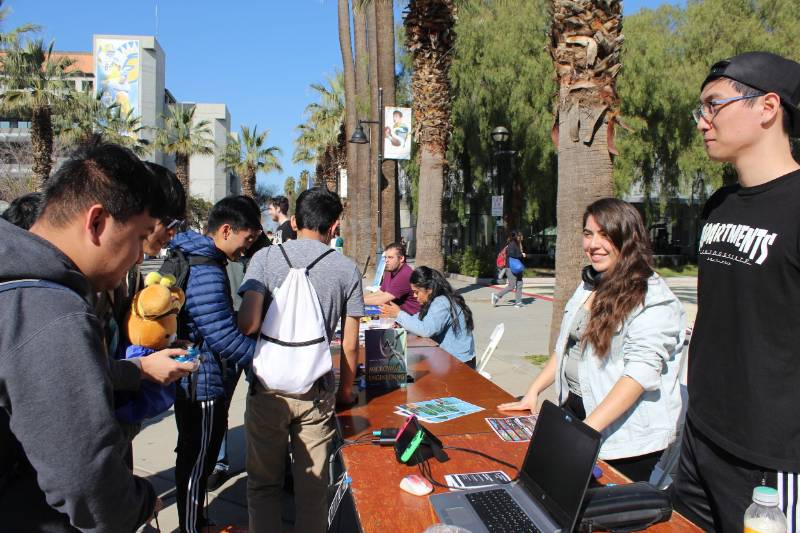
[209,318]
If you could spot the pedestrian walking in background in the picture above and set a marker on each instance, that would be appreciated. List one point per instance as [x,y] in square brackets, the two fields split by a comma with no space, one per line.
[514,269]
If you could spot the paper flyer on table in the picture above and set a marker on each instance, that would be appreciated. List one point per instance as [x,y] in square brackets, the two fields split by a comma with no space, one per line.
[513,428]
[438,410]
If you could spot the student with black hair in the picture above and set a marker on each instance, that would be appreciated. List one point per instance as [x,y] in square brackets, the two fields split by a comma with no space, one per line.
[444,316]
[22,211]
[278,210]
[208,320]
[272,415]
[62,466]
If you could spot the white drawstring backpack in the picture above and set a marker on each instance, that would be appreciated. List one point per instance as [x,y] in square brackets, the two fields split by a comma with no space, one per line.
[293,349]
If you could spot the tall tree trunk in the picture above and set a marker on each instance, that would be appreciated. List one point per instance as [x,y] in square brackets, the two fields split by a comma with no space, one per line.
[430,36]
[384,19]
[249,184]
[349,226]
[41,145]
[375,137]
[182,173]
[429,211]
[362,185]
[586,59]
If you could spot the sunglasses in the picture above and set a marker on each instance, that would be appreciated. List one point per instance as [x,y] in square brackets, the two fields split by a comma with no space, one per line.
[170,223]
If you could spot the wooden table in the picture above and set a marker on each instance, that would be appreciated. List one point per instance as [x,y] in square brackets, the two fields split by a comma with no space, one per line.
[376,474]
[436,374]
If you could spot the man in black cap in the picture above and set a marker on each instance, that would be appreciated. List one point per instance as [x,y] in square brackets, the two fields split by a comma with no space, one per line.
[742,428]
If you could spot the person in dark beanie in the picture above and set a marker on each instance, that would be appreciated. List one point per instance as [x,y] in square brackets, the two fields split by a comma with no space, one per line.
[742,428]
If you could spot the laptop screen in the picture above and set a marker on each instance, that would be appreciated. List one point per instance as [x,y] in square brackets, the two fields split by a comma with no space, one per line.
[559,463]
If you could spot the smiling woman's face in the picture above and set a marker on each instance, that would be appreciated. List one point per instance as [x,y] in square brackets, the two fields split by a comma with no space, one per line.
[598,247]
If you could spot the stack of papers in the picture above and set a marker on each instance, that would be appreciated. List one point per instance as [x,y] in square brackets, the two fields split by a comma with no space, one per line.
[513,428]
[438,410]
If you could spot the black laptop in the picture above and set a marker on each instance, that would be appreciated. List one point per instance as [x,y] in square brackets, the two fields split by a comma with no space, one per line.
[551,487]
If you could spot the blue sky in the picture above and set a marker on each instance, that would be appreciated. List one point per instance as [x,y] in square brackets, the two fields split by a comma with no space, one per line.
[258,57]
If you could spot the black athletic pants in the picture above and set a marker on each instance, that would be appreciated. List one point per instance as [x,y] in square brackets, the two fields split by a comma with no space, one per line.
[636,468]
[713,488]
[201,426]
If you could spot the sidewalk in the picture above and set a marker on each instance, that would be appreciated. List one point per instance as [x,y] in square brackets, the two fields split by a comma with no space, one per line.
[527,332]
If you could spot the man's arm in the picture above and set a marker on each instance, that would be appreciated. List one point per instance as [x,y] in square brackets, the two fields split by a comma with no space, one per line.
[347,365]
[61,413]
[249,320]
[379,298]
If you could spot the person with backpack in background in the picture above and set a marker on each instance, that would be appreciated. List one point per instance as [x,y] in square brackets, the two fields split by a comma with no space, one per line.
[207,320]
[306,288]
[62,464]
[235,271]
[514,269]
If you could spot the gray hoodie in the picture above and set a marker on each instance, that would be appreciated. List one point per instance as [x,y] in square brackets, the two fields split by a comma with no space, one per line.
[56,398]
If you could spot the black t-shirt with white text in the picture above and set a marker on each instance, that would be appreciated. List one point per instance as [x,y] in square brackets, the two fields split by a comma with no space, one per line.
[744,359]
[284,233]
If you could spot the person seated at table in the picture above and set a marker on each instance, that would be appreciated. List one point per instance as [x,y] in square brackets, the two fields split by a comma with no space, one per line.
[444,316]
[395,285]
[618,354]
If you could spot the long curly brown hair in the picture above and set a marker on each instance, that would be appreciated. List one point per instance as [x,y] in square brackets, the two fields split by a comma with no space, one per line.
[623,287]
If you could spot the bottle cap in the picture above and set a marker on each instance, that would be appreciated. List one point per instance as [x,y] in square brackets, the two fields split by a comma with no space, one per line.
[766,496]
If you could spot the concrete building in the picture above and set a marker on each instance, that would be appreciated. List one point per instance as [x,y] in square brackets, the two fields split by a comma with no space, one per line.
[208,178]
[131,71]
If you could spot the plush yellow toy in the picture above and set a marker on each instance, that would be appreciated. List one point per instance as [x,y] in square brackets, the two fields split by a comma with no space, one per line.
[153,319]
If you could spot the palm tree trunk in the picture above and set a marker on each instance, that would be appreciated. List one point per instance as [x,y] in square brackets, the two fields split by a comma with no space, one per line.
[349,223]
[430,36]
[586,61]
[41,145]
[182,173]
[384,18]
[249,184]
[429,212]
[362,185]
[375,137]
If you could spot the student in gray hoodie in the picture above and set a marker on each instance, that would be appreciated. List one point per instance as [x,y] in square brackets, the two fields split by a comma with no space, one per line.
[61,450]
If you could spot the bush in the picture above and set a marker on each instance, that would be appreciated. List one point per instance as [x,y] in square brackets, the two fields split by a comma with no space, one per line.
[477,263]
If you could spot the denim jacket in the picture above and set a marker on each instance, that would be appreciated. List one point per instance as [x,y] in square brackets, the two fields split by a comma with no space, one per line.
[647,348]
[437,325]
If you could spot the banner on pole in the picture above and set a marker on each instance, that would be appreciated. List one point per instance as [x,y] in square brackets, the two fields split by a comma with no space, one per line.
[397,133]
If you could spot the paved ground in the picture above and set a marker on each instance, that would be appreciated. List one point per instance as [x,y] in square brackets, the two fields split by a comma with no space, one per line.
[526,333]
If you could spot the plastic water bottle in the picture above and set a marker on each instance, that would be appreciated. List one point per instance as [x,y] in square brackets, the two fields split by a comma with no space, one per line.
[764,515]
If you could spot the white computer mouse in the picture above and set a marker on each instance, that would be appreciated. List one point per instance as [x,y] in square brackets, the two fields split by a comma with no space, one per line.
[416,485]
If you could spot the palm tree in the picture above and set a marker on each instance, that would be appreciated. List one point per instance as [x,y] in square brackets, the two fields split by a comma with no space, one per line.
[429,37]
[349,222]
[585,42]
[37,85]
[184,137]
[246,155]
[88,119]
[320,141]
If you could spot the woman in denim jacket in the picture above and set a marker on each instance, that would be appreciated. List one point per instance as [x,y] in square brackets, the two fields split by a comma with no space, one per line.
[444,316]
[618,355]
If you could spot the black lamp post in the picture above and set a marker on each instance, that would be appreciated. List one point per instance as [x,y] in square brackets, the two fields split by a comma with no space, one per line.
[359,137]
[500,136]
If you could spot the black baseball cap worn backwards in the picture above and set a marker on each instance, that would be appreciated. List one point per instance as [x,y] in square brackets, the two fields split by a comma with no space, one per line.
[766,72]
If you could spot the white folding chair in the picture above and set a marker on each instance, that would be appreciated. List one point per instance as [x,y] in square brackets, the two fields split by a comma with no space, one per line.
[494,340]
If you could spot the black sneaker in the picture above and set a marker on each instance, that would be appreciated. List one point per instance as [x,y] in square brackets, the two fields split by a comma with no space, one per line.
[217,478]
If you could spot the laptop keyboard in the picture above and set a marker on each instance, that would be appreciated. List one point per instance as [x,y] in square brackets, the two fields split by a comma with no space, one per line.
[500,513]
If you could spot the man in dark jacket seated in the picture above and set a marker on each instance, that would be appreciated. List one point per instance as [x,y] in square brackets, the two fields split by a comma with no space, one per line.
[208,321]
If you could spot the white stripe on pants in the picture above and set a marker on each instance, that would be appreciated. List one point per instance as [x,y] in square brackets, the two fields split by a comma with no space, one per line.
[787,499]
[193,498]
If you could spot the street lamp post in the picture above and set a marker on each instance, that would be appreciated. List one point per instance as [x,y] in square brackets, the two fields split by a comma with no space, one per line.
[500,136]
[359,137]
